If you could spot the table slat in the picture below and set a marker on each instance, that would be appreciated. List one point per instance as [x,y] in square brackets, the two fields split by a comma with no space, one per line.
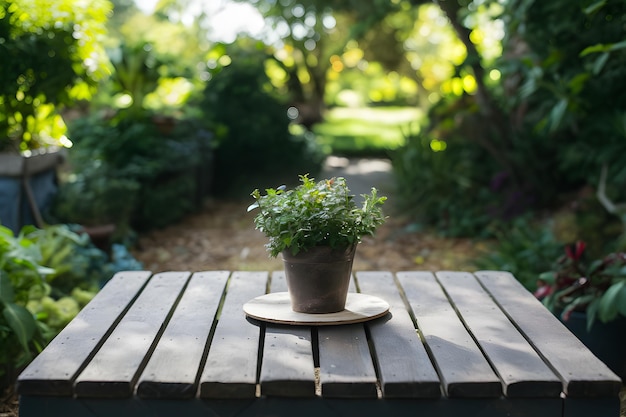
[287,367]
[405,370]
[463,369]
[113,370]
[173,367]
[346,367]
[522,371]
[53,371]
[582,373]
[231,367]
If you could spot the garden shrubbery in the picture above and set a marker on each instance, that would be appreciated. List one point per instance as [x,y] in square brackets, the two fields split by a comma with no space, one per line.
[46,276]
[537,140]
[254,144]
[126,171]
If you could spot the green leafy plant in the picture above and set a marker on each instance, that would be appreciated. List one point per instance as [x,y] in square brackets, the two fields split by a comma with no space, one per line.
[315,214]
[52,56]
[118,164]
[46,277]
[522,247]
[597,288]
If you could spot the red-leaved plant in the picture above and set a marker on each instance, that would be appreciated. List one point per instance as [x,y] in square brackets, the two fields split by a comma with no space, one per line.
[597,288]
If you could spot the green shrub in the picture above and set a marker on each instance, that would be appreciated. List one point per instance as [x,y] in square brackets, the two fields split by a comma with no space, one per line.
[252,129]
[522,247]
[441,187]
[128,170]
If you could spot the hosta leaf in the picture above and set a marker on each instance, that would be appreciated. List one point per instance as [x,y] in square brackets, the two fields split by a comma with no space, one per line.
[6,288]
[21,322]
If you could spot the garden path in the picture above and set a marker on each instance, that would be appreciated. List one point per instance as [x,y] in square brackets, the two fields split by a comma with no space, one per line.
[222,234]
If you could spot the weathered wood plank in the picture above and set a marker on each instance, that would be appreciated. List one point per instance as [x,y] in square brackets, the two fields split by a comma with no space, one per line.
[462,367]
[522,371]
[404,368]
[114,369]
[582,373]
[53,371]
[346,367]
[231,367]
[287,367]
[175,363]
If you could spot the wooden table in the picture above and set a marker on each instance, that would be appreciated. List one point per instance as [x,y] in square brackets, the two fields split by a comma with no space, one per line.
[453,344]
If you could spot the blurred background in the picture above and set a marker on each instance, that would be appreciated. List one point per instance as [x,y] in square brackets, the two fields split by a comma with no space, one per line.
[133,132]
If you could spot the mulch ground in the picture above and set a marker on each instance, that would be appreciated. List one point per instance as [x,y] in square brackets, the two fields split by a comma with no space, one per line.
[222,237]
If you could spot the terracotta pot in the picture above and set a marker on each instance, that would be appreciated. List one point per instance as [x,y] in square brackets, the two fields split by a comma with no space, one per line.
[318,279]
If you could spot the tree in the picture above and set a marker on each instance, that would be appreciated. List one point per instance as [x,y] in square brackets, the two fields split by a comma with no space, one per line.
[311,34]
[52,55]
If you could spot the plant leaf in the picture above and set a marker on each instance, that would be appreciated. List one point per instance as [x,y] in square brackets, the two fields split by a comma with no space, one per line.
[594,49]
[556,115]
[592,312]
[621,300]
[599,64]
[609,301]
[21,321]
[7,294]
[594,7]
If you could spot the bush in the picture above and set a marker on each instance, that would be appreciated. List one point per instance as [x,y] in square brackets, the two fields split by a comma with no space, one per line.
[524,248]
[128,170]
[252,129]
[440,185]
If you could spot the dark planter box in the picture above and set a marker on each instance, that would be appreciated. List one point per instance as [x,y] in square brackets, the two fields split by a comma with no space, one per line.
[606,340]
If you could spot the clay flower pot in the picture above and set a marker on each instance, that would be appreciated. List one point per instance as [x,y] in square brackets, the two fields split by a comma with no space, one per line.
[318,279]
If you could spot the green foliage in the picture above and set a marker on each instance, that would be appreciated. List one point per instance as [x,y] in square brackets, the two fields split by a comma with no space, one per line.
[540,134]
[441,186]
[522,247]
[46,276]
[597,287]
[252,127]
[128,170]
[51,56]
[93,196]
[572,83]
[315,214]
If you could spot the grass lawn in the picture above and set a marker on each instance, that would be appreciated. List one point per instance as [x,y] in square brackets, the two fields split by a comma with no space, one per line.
[370,131]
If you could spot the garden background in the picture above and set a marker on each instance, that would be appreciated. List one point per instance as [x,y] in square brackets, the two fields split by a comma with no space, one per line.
[504,123]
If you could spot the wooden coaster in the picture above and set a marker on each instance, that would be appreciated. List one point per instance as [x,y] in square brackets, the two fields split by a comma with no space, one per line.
[276,308]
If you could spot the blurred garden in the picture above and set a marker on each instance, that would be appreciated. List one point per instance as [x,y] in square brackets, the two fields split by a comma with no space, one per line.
[504,122]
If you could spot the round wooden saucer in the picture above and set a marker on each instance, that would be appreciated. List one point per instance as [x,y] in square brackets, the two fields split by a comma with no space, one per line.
[276,308]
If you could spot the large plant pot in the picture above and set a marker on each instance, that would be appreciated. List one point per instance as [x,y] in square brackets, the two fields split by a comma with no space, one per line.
[606,340]
[318,279]
[28,184]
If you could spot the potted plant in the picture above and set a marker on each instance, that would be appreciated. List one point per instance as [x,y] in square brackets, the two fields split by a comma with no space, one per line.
[316,227]
[590,299]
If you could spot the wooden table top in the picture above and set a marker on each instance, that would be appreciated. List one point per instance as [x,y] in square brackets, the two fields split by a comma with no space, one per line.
[476,342]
